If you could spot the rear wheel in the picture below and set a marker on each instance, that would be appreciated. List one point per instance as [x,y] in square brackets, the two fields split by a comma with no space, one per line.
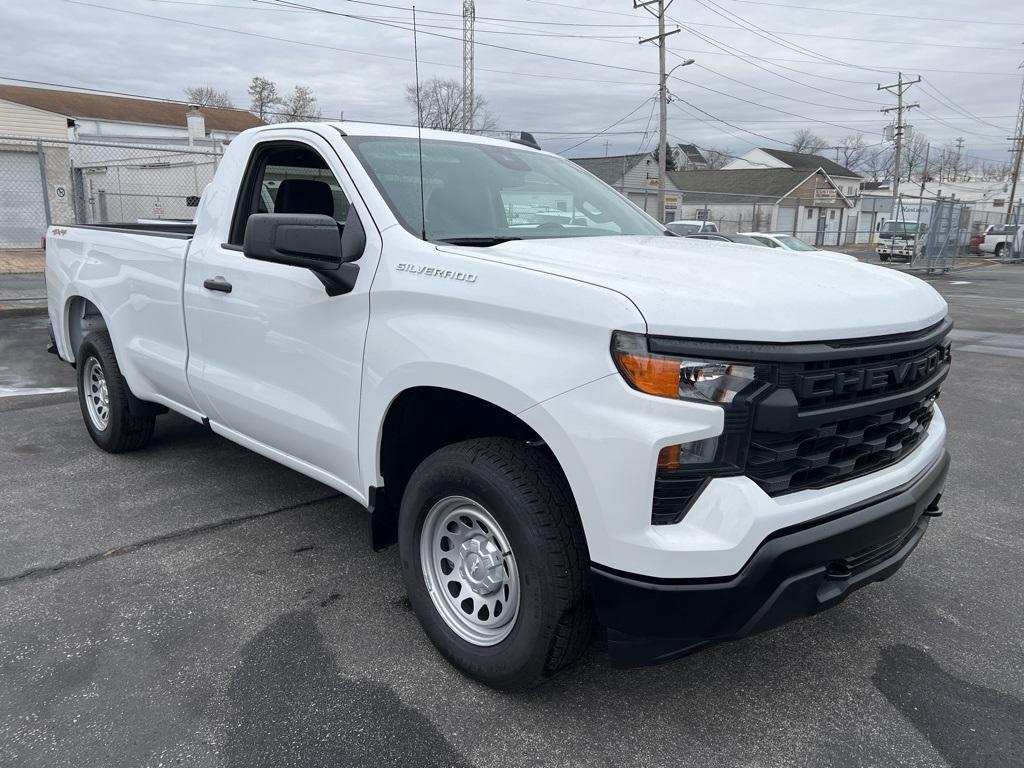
[1000,250]
[104,397]
[494,561]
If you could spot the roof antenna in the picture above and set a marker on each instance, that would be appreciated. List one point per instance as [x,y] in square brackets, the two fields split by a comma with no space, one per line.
[419,127]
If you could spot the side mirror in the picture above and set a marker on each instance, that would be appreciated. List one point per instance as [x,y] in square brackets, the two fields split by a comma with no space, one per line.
[312,241]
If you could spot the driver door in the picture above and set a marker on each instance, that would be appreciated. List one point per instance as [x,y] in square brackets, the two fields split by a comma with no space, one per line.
[273,360]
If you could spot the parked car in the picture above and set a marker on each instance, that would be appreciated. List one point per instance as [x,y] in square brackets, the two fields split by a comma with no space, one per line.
[1001,240]
[691,227]
[721,238]
[550,420]
[791,243]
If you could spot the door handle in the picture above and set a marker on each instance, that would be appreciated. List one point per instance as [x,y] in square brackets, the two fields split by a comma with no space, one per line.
[217,283]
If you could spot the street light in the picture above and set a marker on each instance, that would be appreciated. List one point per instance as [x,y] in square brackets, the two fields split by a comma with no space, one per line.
[663,133]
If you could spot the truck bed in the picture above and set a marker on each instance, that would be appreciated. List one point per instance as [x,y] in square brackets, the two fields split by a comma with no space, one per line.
[181,230]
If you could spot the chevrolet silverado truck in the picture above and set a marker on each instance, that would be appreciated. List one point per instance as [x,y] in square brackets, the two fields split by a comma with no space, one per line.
[554,421]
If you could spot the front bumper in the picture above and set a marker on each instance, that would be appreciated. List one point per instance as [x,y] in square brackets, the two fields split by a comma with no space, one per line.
[795,572]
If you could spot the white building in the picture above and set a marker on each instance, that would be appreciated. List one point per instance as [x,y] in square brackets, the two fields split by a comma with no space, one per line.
[67,156]
[636,177]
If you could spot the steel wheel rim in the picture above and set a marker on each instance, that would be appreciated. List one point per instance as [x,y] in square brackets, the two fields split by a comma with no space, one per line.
[469,570]
[97,398]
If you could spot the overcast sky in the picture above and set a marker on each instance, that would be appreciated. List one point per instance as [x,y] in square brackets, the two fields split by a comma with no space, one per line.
[362,66]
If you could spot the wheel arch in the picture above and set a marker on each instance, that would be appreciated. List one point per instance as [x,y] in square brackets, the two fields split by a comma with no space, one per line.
[422,419]
[81,317]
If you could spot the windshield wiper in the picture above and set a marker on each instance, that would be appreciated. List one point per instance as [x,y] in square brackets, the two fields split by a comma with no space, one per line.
[478,242]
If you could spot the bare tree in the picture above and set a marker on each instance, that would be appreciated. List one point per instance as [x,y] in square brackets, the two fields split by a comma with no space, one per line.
[994,170]
[877,163]
[208,96]
[264,97]
[852,150]
[716,159]
[300,105]
[441,106]
[807,141]
[914,153]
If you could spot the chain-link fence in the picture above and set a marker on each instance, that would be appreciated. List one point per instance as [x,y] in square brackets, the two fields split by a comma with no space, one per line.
[820,218]
[44,181]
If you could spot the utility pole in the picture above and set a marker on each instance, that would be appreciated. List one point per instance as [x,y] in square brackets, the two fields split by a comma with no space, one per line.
[1018,150]
[662,6]
[899,88]
[959,151]
[468,25]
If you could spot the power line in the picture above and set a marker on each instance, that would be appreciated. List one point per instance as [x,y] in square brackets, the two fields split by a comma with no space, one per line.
[724,122]
[745,57]
[860,12]
[350,50]
[605,131]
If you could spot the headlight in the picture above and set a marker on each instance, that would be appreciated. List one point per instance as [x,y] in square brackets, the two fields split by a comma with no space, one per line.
[712,381]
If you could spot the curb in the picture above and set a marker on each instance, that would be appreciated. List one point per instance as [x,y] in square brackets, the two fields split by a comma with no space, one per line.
[26,311]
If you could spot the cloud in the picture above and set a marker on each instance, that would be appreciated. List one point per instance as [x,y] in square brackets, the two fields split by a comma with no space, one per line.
[361,66]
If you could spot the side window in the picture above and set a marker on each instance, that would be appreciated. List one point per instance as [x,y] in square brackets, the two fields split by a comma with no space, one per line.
[287,177]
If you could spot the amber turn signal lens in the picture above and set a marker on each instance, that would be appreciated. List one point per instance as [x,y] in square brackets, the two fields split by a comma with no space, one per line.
[651,374]
[668,458]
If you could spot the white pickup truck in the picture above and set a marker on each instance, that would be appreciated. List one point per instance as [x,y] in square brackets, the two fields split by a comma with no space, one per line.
[1001,240]
[693,441]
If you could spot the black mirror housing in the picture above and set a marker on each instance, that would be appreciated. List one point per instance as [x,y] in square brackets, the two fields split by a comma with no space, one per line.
[296,239]
[313,241]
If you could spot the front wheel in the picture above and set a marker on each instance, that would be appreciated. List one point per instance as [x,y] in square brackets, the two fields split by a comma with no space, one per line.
[495,562]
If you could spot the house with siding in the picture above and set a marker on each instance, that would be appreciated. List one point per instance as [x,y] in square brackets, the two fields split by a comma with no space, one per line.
[71,156]
[636,177]
[807,204]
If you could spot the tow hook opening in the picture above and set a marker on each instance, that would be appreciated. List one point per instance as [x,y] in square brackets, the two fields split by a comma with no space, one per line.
[932,510]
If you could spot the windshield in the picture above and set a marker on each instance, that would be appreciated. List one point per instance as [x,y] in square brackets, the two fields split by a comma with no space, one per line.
[481,194]
[745,240]
[682,228]
[899,228]
[794,243]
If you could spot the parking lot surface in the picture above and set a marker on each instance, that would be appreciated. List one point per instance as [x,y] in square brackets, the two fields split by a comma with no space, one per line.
[195,604]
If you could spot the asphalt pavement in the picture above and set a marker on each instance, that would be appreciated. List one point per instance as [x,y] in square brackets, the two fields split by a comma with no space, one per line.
[195,604]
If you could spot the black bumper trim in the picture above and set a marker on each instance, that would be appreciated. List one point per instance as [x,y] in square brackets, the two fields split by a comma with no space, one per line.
[796,572]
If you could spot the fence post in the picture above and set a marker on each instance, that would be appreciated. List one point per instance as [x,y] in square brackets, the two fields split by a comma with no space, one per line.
[42,179]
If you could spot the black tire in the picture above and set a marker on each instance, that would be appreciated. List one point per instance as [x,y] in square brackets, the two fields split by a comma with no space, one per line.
[883,257]
[525,492]
[1000,250]
[124,430]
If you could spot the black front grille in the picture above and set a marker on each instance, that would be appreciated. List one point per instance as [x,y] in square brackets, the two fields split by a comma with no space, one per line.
[856,379]
[836,451]
[824,413]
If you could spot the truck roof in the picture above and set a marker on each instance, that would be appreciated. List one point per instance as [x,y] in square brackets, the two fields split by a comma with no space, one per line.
[352,128]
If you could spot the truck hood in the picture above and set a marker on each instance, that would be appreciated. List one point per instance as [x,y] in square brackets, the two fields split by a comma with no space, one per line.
[713,290]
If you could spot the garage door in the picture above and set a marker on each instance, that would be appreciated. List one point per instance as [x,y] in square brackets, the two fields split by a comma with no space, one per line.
[22,211]
[786,220]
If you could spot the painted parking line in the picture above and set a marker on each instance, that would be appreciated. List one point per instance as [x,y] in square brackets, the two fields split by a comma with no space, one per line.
[26,391]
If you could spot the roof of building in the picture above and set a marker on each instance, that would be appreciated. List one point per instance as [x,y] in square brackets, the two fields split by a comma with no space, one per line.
[610,169]
[693,154]
[809,162]
[745,185]
[123,109]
